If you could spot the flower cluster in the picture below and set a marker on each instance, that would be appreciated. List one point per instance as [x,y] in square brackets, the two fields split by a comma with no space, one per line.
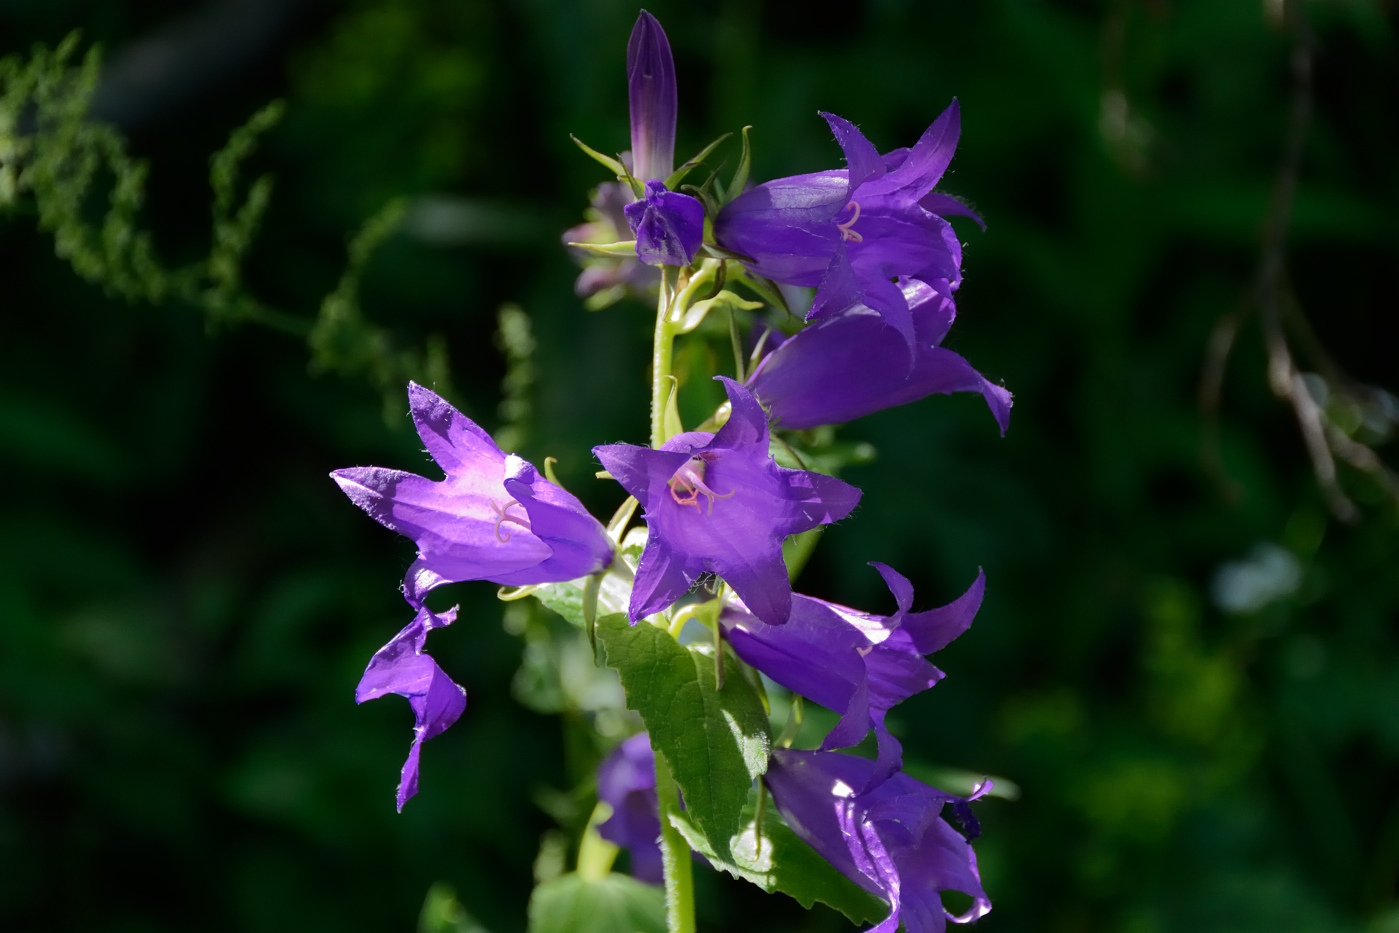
[871,244]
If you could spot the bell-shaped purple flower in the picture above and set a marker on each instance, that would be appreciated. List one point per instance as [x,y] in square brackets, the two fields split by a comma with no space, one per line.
[403,668]
[492,518]
[851,232]
[859,664]
[850,364]
[719,503]
[652,92]
[891,840]
[626,781]
[668,226]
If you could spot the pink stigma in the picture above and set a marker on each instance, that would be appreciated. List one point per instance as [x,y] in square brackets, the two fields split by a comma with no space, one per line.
[846,233]
[502,516]
[687,485]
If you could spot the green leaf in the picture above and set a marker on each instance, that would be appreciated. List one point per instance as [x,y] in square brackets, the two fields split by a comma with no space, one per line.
[715,741]
[783,863]
[564,598]
[612,904]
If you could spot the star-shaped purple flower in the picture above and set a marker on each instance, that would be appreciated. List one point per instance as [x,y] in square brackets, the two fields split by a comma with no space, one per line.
[859,664]
[849,365]
[719,503]
[492,518]
[851,232]
[668,226]
[403,668]
[626,781]
[891,840]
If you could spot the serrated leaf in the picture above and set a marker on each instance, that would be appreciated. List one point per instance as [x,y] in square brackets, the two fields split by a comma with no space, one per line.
[783,863]
[611,904]
[715,741]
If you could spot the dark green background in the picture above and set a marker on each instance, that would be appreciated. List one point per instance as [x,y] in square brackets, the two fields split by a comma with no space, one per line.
[186,601]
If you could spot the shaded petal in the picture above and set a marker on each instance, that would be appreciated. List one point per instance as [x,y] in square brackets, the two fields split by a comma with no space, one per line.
[747,427]
[862,160]
[945,205]
[633,466]
[453,440]
[651,88]
[844,367]
[819,499]
[578,542]
[935,629]
[839,288]
[926,162]
[660,580]
[762,583]
[401,667]
[453,522]
[786,226]
[814,654]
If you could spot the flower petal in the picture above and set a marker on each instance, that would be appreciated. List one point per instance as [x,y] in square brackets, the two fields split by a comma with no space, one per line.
[926,161]
[862,160]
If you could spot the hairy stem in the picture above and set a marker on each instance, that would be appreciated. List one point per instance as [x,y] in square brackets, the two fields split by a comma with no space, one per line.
[675,856]
[661,351]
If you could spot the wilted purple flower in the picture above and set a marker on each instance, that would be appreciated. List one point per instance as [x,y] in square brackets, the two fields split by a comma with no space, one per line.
[719,503]
[608,276]
[849,365]
[626,781]
[403,668]
[652,93]
[859,664]
[668,226]
[492,518]
[890,840]
[851,232]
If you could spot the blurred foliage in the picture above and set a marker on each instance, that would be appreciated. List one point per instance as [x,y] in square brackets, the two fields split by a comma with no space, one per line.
[186,602]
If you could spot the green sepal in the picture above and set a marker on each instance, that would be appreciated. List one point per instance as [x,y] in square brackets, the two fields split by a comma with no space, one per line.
[763,288]
[620,248]
[777,860]
[615,166]
[745,164]
[677,176]
[613,903]
[694,315]
[715,741]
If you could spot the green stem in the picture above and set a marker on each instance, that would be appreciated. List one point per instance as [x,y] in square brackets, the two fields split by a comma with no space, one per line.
[661,350]
[675,856]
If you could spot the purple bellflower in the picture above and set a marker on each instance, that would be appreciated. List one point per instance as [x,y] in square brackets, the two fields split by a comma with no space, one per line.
[719,503]
[858,664]
[626,781]
[492,518]
[668,226]
[403,668]
[891,840]
[849,365]
[849,233]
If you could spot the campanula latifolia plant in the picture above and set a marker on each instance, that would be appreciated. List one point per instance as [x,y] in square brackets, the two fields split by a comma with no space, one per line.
[834,291]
